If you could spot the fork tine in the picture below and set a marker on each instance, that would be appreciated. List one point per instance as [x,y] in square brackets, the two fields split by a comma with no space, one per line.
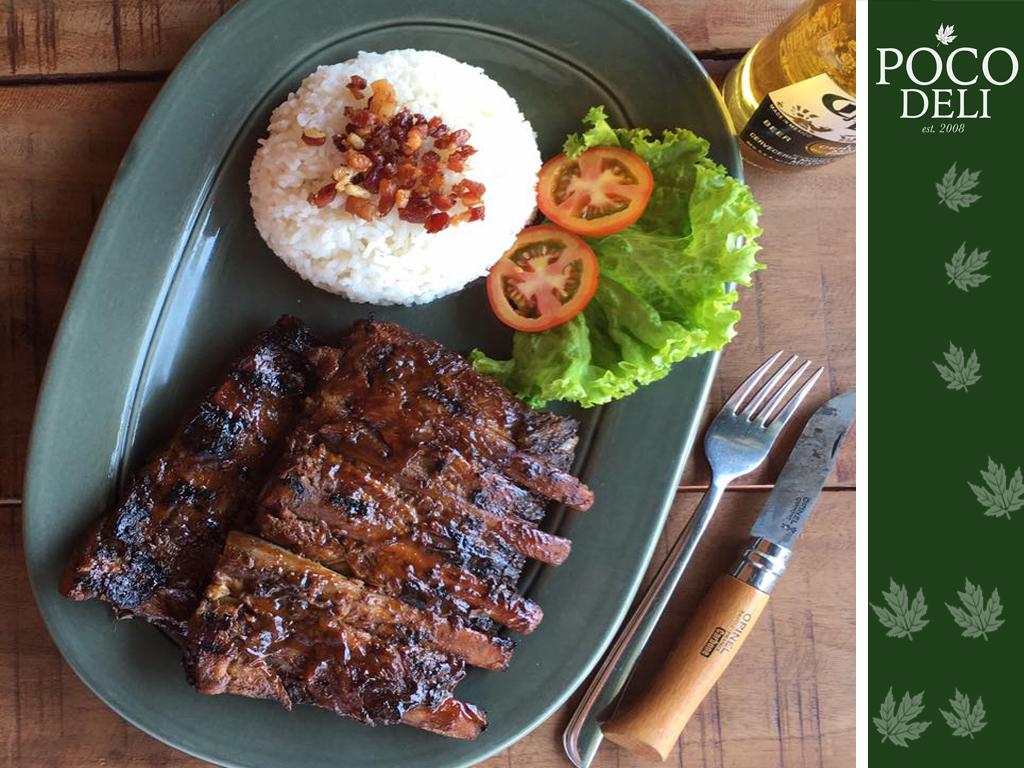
[778,397]
[733,403]
[766,390]
[794,401]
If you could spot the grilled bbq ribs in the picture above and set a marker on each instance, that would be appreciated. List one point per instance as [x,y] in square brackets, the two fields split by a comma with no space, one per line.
[153,554]
[277,626]
[401,494]
[397,473]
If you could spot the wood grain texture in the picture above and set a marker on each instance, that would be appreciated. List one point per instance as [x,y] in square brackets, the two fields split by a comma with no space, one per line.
[787,699]
[59,149]
[117,37]
[100,37]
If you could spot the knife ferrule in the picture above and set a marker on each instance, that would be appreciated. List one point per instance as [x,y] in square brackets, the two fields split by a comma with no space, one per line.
[761,564]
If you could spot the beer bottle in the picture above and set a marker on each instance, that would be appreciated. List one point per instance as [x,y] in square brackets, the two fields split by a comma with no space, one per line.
[792,97]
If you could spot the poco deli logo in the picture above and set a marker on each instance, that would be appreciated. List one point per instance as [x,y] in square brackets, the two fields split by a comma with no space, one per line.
[972,74]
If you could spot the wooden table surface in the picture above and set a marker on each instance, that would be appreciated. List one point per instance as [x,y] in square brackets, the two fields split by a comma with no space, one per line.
[77,77]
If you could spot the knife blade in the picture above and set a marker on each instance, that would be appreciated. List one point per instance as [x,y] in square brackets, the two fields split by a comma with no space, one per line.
[651,724]
[806,470]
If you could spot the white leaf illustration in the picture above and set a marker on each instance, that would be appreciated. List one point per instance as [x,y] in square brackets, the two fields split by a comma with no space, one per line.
[965,720]
[963,271]
[897,725]
[945,34]
[902,617]
[959,373]
[977,617]
[953,189]
[999,497]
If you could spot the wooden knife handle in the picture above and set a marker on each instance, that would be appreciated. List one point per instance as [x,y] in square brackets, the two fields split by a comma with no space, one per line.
[651,724]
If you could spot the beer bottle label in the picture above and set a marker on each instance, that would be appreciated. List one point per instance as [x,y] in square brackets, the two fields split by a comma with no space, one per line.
[804,124]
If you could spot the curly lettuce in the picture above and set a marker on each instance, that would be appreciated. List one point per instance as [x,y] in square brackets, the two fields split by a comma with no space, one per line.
[663,292]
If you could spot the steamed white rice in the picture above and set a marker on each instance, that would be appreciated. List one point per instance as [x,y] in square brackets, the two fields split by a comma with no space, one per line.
[389,261]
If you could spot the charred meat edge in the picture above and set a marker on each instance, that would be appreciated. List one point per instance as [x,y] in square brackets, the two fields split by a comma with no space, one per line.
[152,555]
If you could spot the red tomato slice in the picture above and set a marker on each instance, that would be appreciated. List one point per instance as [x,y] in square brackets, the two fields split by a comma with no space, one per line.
[603,190]
[545,279]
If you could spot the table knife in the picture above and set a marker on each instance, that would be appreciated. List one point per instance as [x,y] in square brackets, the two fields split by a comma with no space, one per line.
[651,724]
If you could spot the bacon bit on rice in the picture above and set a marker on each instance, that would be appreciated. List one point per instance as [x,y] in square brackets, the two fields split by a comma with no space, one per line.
[401,157]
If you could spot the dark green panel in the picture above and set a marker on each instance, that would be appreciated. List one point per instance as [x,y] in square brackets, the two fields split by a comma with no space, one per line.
[927,529]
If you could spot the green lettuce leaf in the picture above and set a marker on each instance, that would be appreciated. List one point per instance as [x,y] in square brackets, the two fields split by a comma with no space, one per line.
[662,295]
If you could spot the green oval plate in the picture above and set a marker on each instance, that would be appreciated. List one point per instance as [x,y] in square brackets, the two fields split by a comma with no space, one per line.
[176,279]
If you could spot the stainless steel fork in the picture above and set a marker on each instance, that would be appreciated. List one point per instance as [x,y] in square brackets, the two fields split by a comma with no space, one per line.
[736,442]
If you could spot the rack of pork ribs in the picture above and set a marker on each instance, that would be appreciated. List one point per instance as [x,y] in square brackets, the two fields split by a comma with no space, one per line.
[343,526]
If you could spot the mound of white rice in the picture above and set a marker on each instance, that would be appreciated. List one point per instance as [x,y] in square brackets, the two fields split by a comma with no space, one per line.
[389,261]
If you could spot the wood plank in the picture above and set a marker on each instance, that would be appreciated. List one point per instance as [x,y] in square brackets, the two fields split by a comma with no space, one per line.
[715,28]
[787,700]
[62,145]
[59,150]
[74,37]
